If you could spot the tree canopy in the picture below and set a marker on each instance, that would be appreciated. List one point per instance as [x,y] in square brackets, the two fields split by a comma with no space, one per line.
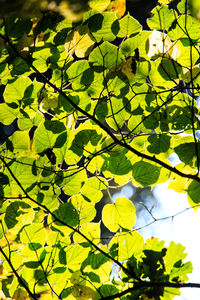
[95,100]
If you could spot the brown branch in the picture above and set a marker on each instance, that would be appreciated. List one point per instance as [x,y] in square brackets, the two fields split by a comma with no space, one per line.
[20,280]
[145,284]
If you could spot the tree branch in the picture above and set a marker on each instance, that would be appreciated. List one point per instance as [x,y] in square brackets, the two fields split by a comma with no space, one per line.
[101,125]
[20,280]
[145,284]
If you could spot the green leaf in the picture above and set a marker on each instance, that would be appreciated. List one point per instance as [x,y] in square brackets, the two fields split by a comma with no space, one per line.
[186,55]
[87,211]
[20,67]
[95,261]
[128,25]
[193,191]
[177,30]
[162,18]
[14,256]
[72,181]
[154,244]
[48,197]
[145,173]
[186,153]
[22,170]
[108,290]
[46,134]
[180,271]
[3,179]
[16,27]
[16,90]
[119,214]
[103,26]
[81,75]
[7,114]
[62,256]
[99,5]
[105,55]
[61,140]
[75,256]
[92,188]
[40,59]
[21,141]
[94,277]
[128,244]
[18,213]
[67,214]
[175,252]
[129,45]
[169,69]
[32,264]
[90,230]
[118,165]
[33,233]
[158,143]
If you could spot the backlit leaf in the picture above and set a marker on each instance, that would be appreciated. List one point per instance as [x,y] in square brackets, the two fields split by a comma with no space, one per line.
[145,173]
[119,214]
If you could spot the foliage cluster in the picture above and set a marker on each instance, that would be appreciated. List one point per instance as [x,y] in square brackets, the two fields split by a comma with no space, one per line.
[95,101]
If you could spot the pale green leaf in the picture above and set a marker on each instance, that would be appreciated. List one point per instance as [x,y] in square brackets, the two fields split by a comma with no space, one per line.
[175,252]
[119,214]
[92,188]
[16,90]
[91,231]
[71,181]
[75,255]
[128,244]
[33,233]
[7,114]
[46,134]
[162,18]
[40,59]
[103,26]
[18,214]
[128,25]
[106,55]
[177,30]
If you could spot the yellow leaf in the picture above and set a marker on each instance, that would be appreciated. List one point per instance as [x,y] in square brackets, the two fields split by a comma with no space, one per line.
[77,278]
[20,294]
[82,292]
[100,5]
[118,6]
[129,67]
[49,102]
[78,44]
[91,230]
[164,1]
[190,74]
[177,183]
[8,237]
